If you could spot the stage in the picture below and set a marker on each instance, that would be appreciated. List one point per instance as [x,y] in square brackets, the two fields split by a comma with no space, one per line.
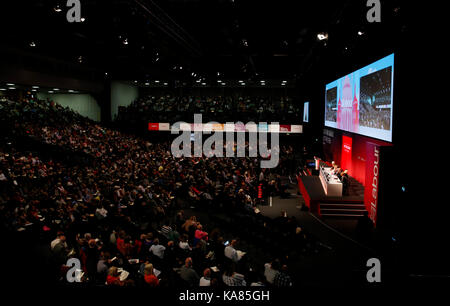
[351,205]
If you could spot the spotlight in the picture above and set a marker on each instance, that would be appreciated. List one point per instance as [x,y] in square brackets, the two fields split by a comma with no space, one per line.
[32,44]
[360,33]
[125,41]
[82,19]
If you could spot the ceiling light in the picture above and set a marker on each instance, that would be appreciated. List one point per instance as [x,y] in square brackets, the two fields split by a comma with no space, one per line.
[34,90]
[12,88]
[125,41]
[2,89]
[360,33]
[322,36]
[35,86]
[165,84]
[223,84]
[70,90]
[56,89]
[57,9]
[82,19]
[146,84]
[50,91]
[32,44]
[9,84]
[156,81]
[135,82]
[219,81]
[242,83]
[204,84]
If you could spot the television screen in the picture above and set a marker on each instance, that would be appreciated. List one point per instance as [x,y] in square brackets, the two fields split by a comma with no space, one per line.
[362,101]
[306,112]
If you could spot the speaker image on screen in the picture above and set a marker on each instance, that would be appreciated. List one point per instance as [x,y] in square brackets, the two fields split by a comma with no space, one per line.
[375,100]
[331,105]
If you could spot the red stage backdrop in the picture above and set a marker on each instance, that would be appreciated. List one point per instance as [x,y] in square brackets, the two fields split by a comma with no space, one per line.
[360,155]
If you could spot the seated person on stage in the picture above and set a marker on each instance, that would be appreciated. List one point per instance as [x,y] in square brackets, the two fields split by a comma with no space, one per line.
[338,172]
[335,169]
[344,180]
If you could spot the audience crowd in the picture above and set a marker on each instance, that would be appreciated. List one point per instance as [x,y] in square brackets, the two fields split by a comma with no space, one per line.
[216,108]
[130,213]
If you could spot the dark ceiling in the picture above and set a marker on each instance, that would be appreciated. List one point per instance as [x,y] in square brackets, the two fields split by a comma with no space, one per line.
[238,39]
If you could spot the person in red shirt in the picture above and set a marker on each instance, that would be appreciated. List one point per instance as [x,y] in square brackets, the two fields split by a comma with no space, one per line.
[149,277]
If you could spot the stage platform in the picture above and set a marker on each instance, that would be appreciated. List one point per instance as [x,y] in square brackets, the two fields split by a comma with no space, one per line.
[351,205]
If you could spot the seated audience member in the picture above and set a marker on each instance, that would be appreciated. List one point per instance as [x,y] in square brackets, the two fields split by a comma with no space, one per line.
[157,249]
[282,278]
[184,244]
[149,277]
[232,278]
[188,274]
[59,238]
[103,265]
[231,252]
[270,270]
[113,277]
[205,281]
[200,234]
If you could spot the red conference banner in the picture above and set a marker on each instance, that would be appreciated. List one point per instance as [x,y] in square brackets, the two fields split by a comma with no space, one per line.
[372,180]
[153,126]
[346,154]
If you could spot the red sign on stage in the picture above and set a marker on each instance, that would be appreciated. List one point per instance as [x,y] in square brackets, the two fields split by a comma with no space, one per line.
[372,180]
[346,155]
[153,126]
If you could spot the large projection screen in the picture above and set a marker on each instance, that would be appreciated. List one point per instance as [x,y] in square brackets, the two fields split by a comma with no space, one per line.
[362,101]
